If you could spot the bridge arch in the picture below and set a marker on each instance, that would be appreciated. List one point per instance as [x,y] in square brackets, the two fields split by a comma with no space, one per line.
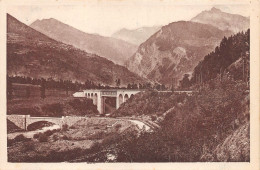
[126,97]
[132,95]
[88,95]
[40,124]
[120,99]
[54,120]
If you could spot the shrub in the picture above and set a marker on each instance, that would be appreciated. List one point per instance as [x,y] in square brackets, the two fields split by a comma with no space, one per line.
[20,138]
[65,127]
[55,137]
[118,126]
[65,137]
[73,127]
[153,118]
[36,136]
[43,137]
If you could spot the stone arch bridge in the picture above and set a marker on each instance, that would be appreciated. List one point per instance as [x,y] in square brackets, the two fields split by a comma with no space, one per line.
[23,121]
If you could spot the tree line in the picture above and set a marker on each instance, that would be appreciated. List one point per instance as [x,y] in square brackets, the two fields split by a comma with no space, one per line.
[68,85]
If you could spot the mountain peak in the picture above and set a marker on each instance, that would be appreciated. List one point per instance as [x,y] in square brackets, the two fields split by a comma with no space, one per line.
[223,20]
[214,9]
[47,20]
[52,19]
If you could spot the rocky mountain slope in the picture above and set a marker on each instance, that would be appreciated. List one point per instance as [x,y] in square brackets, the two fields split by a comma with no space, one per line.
[174,50]
[31,53]
[113,49]
[136,36]
[223,20]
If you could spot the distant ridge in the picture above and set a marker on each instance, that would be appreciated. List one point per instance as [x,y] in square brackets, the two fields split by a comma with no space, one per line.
[136,36]
[113,49]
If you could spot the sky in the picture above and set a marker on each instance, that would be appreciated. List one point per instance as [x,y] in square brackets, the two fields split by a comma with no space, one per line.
[105,18]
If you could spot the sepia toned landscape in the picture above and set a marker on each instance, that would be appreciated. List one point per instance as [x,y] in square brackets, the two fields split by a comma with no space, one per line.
[175,91]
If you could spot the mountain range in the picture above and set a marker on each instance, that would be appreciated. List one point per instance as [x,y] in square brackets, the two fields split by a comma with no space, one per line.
[113,49]
[50,48]
[136,36]
[31,53]
[179,46]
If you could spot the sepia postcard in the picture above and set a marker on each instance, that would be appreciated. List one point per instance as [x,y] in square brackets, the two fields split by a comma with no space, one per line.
[129,84]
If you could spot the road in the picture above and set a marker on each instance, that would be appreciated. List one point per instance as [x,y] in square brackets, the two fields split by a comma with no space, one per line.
[141,125]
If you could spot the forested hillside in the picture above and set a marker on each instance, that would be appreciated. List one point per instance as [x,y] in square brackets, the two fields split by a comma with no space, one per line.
[212,125]
[152,103]
[231,56]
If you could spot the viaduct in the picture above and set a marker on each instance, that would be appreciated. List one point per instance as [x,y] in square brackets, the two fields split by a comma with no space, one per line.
[99,96]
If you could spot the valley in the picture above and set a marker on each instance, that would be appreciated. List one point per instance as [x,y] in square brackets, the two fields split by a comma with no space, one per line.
[169,93]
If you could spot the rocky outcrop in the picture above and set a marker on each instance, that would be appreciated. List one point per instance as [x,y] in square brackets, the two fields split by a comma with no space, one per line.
[174,50]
